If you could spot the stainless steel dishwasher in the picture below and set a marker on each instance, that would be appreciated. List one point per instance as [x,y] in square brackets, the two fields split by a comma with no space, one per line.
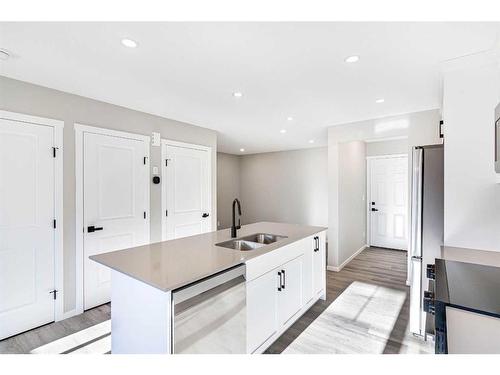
[209,316]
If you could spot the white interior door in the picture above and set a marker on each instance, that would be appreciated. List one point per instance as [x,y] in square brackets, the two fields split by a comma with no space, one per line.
[27,250]
[187,191]
[115,205]
[388,204]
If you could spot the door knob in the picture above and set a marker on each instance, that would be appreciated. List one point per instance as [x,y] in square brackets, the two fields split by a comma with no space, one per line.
[205,215]
[374,209]
[92,228]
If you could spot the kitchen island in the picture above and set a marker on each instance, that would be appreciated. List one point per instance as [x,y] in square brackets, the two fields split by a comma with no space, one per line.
[201,294]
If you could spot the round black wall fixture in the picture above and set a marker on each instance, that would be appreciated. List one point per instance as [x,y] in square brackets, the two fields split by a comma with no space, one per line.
[156,179]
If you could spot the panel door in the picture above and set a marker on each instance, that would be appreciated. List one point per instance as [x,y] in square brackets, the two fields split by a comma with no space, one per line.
[116,180]
[261,309]
[26,226]
[389,202]
[187,192]
[290,297]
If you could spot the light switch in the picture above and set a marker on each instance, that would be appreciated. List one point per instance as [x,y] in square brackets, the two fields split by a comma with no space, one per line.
[155,139]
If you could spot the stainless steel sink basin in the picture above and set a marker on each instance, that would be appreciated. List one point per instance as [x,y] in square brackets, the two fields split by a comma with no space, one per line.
[240,245]
[251,242]
[264,238]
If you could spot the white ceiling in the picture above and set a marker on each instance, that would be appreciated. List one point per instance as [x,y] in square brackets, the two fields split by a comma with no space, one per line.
[188,71]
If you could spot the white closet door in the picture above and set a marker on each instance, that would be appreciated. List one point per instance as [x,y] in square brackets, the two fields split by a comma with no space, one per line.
[389,202]
[187,192]
[26,226]
[115,205]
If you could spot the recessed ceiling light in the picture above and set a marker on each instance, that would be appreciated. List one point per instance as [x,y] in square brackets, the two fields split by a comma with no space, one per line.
[352,59]
[4,55]
[237,94]
[242,150]
[283,131]
[129,43]
[289,118]
[380,100]
[311,141]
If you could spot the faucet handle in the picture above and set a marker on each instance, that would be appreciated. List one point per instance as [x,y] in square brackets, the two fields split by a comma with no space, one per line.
[239,224]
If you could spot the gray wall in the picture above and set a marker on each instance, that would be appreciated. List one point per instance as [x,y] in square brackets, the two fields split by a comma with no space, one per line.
[228,187]
[17,96]
[288,186]
[352,206]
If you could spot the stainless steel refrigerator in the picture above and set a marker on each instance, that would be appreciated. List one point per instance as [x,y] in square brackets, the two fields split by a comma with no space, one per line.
[426,231]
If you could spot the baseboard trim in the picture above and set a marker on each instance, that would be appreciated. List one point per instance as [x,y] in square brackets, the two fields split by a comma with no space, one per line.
[339,268]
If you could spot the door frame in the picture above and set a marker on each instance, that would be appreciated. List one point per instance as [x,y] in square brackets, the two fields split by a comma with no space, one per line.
[58,129]
[164,144]
[80,130]
[369,160]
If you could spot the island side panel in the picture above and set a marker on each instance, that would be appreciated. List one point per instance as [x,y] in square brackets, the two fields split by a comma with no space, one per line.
[140,317]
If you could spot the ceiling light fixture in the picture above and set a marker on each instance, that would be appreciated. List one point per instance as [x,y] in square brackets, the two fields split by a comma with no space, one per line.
[4,55]
[381,100]
[289,118]
[311,141]
[283,131]
[351,59]
[129,43]
[242,150]
[237,94]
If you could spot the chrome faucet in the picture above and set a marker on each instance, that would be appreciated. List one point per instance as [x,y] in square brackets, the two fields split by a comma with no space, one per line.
[235,227]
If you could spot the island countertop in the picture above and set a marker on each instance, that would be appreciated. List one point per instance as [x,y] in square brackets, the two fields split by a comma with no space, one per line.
[172,264]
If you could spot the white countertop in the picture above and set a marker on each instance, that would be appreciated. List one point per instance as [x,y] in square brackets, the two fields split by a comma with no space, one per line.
[169,265]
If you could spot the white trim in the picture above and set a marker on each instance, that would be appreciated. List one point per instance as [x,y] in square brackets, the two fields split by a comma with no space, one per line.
[167,142]
[58,127]
[368,188]
[80,129]
[21,117]
[339,268]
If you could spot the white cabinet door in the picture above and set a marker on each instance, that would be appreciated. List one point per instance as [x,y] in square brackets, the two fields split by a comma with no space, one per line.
[319,263]
[187,192]
[290,296]
[26,229]
[116,183]
[261,309]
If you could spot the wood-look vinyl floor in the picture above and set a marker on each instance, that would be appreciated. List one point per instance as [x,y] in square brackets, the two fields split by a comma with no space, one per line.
[25,342]
[376,266]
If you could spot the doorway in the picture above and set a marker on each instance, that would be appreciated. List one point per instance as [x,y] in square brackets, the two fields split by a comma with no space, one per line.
[31,276]
[186,189]
[112,170]
[387,208]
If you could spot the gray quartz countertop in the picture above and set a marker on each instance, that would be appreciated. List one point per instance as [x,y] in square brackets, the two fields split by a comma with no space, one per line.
[169,265]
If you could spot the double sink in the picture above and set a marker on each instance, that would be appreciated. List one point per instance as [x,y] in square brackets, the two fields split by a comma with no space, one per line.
[251,242]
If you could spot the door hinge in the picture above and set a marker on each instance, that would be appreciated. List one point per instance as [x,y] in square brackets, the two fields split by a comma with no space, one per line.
[54,151]
[144,214]
[144,160]
[54,223]
[54,292]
